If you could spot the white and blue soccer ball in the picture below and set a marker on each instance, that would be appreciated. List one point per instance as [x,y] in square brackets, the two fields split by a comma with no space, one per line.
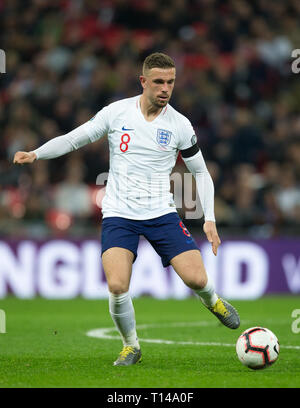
[257,348]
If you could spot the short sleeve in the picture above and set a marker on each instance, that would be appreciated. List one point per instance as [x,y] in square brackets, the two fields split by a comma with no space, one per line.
[98,125]
[186,134]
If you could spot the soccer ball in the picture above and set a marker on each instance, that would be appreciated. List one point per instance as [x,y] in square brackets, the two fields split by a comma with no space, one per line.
[257,348]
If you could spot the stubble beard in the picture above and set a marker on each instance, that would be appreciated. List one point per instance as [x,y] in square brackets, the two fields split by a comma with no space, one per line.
[159,104]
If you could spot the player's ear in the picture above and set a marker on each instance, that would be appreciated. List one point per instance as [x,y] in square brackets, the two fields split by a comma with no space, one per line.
[143,80]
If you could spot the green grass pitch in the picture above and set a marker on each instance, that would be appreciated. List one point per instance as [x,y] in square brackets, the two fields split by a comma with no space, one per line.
[46,345]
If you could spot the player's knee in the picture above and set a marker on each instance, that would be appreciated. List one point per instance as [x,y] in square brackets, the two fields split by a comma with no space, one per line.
[197,282]
[118,288]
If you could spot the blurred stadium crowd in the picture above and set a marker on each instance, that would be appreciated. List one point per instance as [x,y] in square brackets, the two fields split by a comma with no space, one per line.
[66,59]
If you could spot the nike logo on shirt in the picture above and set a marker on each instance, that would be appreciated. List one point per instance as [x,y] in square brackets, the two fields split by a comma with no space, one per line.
[123,128]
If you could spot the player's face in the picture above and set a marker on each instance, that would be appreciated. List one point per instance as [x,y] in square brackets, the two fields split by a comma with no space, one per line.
[158,85]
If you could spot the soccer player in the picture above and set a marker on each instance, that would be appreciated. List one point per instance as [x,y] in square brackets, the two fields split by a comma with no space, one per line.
[145,135]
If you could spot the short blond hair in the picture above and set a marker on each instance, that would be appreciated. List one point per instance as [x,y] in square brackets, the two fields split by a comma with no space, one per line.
[158,60]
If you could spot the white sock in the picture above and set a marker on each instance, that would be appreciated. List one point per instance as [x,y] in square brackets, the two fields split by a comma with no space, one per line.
[122,313]
[207,294]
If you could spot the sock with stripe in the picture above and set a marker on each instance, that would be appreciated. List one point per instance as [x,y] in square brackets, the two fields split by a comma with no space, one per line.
[123,315]
[207,294]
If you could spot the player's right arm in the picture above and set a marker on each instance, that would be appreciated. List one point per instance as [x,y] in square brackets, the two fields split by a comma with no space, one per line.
[89,132]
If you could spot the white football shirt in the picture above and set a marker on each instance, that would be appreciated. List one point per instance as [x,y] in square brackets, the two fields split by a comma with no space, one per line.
[142,156]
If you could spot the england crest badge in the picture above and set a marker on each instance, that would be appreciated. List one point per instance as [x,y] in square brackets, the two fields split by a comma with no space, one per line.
[163,137]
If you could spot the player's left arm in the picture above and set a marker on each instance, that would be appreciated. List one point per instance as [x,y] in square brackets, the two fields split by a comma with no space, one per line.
[195,163]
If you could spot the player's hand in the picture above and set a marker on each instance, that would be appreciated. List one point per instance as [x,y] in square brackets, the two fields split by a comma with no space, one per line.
[212,236]
[24,157]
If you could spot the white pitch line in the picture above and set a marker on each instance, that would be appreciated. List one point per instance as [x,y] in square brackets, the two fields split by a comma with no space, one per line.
[103,334]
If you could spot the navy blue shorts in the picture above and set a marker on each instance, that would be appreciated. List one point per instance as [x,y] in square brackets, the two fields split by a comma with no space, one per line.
[167,234]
